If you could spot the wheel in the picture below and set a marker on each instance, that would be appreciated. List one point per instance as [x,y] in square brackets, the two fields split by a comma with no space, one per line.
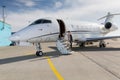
[82,45]
[39,53]
[102,45]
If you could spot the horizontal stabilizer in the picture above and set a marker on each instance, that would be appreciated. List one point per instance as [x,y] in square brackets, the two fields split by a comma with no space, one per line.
[108,17]
[109,14]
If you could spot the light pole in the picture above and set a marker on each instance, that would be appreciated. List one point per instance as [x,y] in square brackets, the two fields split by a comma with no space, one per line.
[3,15]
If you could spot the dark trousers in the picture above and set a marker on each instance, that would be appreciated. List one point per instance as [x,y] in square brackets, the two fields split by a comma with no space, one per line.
[70,44]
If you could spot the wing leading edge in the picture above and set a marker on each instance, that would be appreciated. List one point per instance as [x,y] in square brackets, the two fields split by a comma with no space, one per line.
[111,35]
[102,38]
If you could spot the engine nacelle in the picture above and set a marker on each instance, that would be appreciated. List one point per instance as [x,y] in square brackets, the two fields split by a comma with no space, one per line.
[108,25]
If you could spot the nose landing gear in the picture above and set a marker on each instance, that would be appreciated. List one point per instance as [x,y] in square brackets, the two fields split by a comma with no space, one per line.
[38,48]
[39,53]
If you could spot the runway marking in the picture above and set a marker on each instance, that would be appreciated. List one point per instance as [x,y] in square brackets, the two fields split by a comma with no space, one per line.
[57,74]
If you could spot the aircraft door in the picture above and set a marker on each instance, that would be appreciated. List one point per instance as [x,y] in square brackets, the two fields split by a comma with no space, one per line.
[61,28]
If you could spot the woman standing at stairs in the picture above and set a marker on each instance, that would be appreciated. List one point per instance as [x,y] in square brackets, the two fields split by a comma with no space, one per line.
[70,39]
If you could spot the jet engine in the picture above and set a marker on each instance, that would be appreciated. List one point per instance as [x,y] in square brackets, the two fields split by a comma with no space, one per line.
[108,25]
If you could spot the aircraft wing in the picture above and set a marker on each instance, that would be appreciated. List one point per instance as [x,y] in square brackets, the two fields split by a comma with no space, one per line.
[102,38]
[111,35]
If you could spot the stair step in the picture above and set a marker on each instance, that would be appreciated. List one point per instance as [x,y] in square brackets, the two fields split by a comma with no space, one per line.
[63,47]
[62,41]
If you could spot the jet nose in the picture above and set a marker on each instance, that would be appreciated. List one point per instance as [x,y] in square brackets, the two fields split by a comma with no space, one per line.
[14,38]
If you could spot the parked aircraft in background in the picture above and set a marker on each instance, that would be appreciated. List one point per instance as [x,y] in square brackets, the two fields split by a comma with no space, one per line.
[52,29]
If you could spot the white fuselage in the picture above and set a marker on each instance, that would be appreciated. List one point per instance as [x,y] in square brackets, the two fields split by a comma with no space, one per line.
[47,32]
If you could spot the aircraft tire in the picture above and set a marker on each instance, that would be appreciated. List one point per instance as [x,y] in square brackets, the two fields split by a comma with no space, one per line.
[39,53]
[102,46]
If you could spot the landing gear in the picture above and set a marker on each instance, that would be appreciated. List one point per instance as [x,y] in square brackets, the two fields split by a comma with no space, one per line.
[38,48]
[82,44]
[39,53]
[102,44]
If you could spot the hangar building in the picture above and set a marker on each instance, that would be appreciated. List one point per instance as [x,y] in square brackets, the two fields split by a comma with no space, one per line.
[5,33]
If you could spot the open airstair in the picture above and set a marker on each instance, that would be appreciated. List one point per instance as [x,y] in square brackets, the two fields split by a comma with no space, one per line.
[63,46]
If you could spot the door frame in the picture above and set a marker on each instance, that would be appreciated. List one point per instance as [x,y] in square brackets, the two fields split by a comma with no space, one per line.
[62,28]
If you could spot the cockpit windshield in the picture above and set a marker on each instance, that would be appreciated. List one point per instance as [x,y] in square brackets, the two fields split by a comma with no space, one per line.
[41,21]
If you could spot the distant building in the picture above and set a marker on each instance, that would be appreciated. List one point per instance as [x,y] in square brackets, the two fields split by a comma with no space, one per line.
[5,33]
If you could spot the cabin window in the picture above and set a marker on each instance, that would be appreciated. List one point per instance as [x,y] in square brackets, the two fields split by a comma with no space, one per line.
[46,21]
[41,21]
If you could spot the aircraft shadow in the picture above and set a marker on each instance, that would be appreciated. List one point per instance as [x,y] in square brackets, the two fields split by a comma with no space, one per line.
[16,59]
[52,54]
[93,48]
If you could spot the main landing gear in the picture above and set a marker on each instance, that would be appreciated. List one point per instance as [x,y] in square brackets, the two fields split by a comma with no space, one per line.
[102,44]
[38,48]
[82,44]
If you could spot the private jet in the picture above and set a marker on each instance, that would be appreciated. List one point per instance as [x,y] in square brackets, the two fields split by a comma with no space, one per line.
[52,29]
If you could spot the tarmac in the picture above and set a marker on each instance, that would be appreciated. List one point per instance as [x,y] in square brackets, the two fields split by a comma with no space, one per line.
[90,63]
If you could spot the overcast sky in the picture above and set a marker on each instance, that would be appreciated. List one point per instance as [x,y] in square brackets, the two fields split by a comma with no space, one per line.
[19,13]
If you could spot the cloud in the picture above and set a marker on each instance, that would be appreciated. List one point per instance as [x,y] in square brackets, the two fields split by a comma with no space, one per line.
[28,3]
[20,20]
[58,4]
[87,10]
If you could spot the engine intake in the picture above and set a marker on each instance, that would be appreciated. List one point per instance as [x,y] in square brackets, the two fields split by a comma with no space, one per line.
[108,25]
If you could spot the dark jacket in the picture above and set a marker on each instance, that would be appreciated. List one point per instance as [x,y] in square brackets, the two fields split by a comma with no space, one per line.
[71,39]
